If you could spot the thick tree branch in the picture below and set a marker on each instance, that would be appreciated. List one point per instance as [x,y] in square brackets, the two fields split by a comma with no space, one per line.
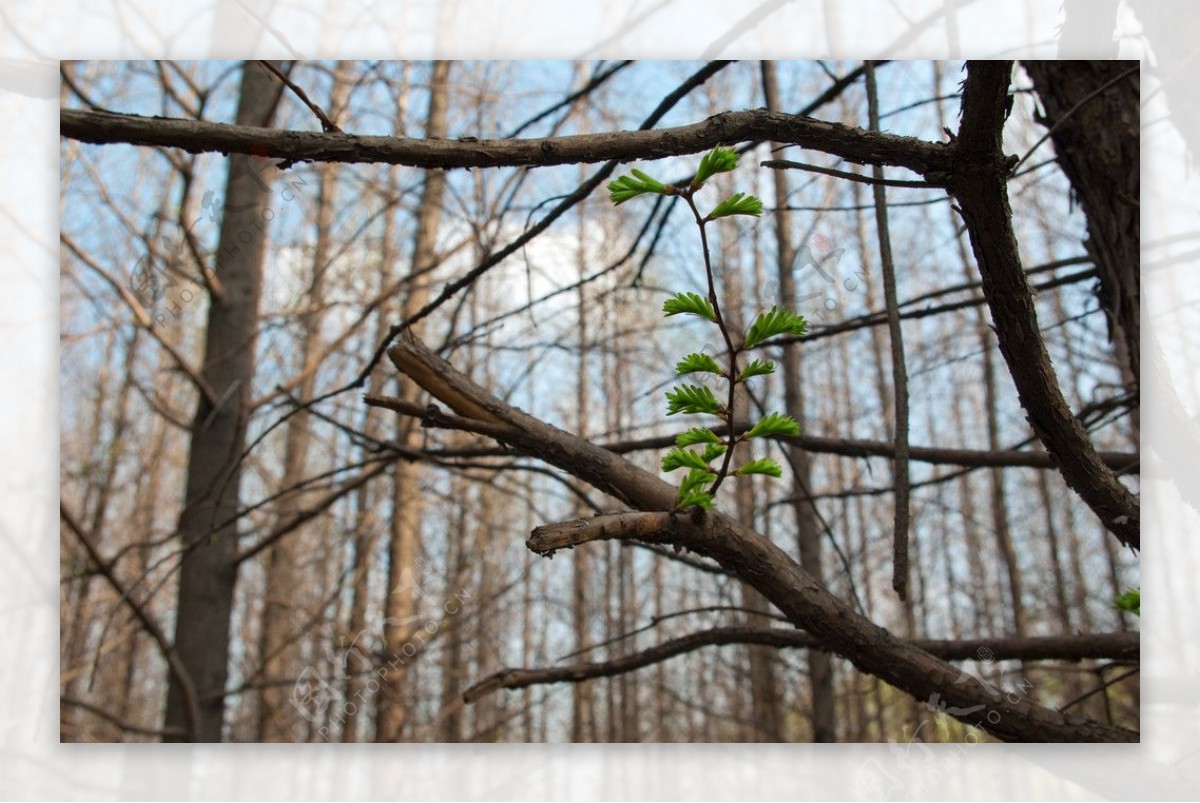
[852,144]
[980,186]
[757,561]
[1123,646]
[549,538]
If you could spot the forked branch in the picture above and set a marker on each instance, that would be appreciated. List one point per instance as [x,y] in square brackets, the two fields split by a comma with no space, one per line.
[980,185]
[745,553]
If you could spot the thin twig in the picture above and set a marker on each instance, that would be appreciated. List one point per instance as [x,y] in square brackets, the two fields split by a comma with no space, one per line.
[327,125]
[175,665]
[1100,688]
[786,164]
[899,371]
[127,727]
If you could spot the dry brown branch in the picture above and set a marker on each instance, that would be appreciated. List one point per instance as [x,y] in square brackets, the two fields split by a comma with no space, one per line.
[754,559]
[1123,646]
[174,665]
[980,184]
[853,144]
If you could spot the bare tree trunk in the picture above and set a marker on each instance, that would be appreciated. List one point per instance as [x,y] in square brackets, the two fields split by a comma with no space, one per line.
[400,605]
[583,713]
[290,589]
[808,533]
[1092,110]
[148,500]
[1060,580]
[457,555]
[208,525]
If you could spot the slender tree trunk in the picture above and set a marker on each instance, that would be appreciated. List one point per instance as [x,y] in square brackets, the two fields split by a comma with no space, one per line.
[208,526]
[582,694]
[365,521]
[457,555]
[808,533]
[290,589]
[400,605]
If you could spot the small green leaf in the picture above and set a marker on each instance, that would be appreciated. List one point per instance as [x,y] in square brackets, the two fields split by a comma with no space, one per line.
[758,368]
[692,492]
[689,304]
[697,362]
[718,160]
[695,479]
[692,399]
[739,204]
[712,452]
[764,465]
[1130,601]
[683,458]
[776,322]
[627,187]
[702,499]
[696,435]
[774,424]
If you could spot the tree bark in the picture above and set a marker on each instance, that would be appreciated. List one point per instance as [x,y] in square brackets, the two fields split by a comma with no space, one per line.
[979,183]
[1097,138]
[208,525]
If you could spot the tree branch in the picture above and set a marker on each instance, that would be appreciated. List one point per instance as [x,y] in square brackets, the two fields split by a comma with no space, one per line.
[900,467]
[1124,646]
[854,447]
[980,186]
[853,144]
[756,560]
[178,671]
[127,727]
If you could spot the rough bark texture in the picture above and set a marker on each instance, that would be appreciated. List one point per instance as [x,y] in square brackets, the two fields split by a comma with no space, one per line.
[1097,138]
[853,144]
[980,186]
[207,525]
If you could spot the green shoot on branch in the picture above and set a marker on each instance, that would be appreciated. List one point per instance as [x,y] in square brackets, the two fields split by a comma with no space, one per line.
[697,362]
[699,486]
[718,160]
[1130,601]
[737,205]
[639,183]
[776,322]
[692,399]
[688,304]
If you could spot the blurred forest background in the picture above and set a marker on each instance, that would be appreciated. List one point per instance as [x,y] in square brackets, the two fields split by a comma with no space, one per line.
[359,539]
